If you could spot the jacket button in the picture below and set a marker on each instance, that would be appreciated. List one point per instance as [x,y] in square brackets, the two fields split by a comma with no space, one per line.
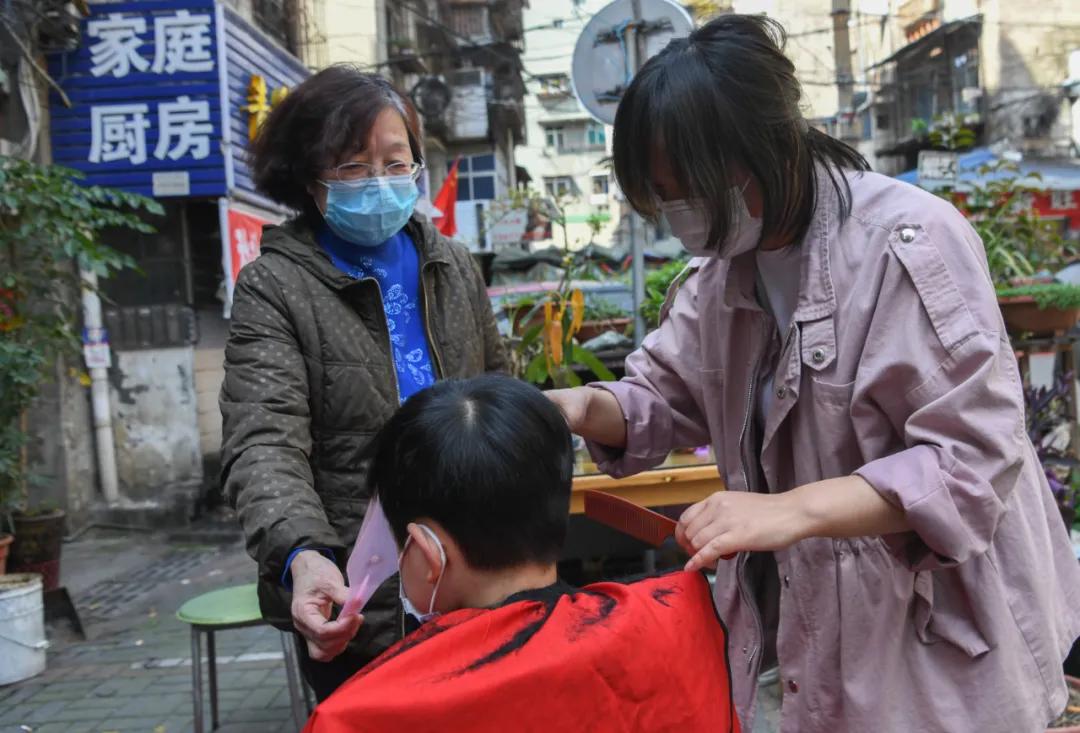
[907,234]
[792,686]
[781,392]
[787,581]
[818,355]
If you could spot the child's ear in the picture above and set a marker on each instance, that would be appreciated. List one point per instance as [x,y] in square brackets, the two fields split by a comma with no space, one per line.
[430,551]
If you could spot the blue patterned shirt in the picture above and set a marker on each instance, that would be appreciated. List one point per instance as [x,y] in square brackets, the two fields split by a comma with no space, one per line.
[395,264]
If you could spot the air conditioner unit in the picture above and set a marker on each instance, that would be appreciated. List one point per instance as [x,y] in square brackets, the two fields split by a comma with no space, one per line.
[467,117]
[58,26]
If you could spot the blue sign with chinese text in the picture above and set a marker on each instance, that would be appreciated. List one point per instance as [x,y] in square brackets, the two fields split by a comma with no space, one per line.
[156,103]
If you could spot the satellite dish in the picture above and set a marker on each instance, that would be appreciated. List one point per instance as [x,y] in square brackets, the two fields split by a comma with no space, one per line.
[431,95]
[601,68]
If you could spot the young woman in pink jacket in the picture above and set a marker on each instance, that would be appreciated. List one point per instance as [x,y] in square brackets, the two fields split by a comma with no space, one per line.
[838,342]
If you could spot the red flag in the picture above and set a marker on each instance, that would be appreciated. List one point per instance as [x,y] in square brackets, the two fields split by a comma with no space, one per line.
[446,200]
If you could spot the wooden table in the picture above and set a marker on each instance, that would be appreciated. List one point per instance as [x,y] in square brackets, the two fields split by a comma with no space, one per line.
[682,479]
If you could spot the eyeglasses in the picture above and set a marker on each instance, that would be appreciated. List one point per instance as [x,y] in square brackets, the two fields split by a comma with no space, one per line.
[351,172]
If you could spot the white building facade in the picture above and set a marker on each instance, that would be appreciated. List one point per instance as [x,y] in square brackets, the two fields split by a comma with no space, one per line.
[566,152]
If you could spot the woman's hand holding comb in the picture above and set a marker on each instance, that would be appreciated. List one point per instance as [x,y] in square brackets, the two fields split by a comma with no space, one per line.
[733,521]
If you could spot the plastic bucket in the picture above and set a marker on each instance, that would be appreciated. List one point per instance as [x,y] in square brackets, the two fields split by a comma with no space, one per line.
[22,627]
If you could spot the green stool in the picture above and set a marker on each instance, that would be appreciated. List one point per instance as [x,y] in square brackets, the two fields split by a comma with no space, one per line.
[234,608]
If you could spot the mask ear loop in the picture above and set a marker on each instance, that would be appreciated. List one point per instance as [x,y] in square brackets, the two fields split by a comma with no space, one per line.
[442,570]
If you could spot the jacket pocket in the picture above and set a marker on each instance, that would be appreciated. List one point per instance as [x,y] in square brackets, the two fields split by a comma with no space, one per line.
[835,396]
[828,415]
[940,615]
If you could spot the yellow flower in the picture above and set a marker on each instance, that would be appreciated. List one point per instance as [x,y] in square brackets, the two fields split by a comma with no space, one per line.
[577,301]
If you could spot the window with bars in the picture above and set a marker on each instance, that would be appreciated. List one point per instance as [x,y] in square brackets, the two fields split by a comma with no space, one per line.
[470,21]
[271,17]
[595,136]
[1062,200]
[555,137]
[554,85]
[559,186]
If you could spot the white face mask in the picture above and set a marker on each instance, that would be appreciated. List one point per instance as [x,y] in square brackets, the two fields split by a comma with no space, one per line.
[410,609]
[690,226]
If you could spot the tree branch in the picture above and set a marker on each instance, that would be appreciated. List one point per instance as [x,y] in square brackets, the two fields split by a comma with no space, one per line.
[33,62]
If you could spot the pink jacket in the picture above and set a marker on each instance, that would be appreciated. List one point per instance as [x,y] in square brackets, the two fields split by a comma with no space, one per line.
[896,368]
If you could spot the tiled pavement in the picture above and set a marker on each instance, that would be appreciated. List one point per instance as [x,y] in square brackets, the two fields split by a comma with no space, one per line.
[133,673]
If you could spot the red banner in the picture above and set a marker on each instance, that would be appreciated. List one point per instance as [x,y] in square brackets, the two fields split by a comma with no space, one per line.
[245,232]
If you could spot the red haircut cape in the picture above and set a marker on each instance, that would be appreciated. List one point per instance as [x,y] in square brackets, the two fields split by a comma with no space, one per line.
[648,656]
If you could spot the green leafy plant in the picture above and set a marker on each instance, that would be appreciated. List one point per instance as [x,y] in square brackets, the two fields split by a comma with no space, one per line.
[657,283]
[553,344]
[1046,295]
[1019,242]
[1000,206]
[601,309]
[595,222]
[50,232]
[946,131]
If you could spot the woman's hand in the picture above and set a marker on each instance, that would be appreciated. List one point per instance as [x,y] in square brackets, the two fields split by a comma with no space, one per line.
[594,414]
[733,521]
[317,586]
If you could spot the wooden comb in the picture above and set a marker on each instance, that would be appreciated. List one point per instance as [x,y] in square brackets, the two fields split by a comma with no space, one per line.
[627,517]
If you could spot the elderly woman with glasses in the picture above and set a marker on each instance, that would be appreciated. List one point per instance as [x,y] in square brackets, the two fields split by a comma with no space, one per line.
[352,306]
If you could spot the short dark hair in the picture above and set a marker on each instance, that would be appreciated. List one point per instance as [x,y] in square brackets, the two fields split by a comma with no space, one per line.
[490,459]
[727,95]
[321,122]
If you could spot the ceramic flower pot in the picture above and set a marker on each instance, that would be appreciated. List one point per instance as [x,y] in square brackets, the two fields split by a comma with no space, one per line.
[1023,315]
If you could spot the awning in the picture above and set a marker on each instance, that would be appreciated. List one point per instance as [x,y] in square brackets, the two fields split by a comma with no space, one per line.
[929,39]
[1054,174]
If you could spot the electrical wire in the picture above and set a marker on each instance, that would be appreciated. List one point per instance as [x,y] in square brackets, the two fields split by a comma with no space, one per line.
[469,43]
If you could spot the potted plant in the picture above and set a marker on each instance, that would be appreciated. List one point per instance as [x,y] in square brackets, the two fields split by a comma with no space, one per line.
[1051,432]
[657,283]
[550,352]
[1040,307]
[50,228]
[523,312]
[1022,249]
[602,316]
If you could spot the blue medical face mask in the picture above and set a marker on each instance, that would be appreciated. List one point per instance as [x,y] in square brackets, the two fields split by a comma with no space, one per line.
[368,212]
[406,604]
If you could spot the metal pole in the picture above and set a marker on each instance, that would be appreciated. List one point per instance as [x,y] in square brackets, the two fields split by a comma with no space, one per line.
[635,47]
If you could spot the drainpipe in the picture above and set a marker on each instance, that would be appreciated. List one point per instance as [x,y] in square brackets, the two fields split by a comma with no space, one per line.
[99,399]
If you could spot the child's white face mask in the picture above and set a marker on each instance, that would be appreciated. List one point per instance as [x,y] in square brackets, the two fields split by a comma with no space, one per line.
[410,609]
